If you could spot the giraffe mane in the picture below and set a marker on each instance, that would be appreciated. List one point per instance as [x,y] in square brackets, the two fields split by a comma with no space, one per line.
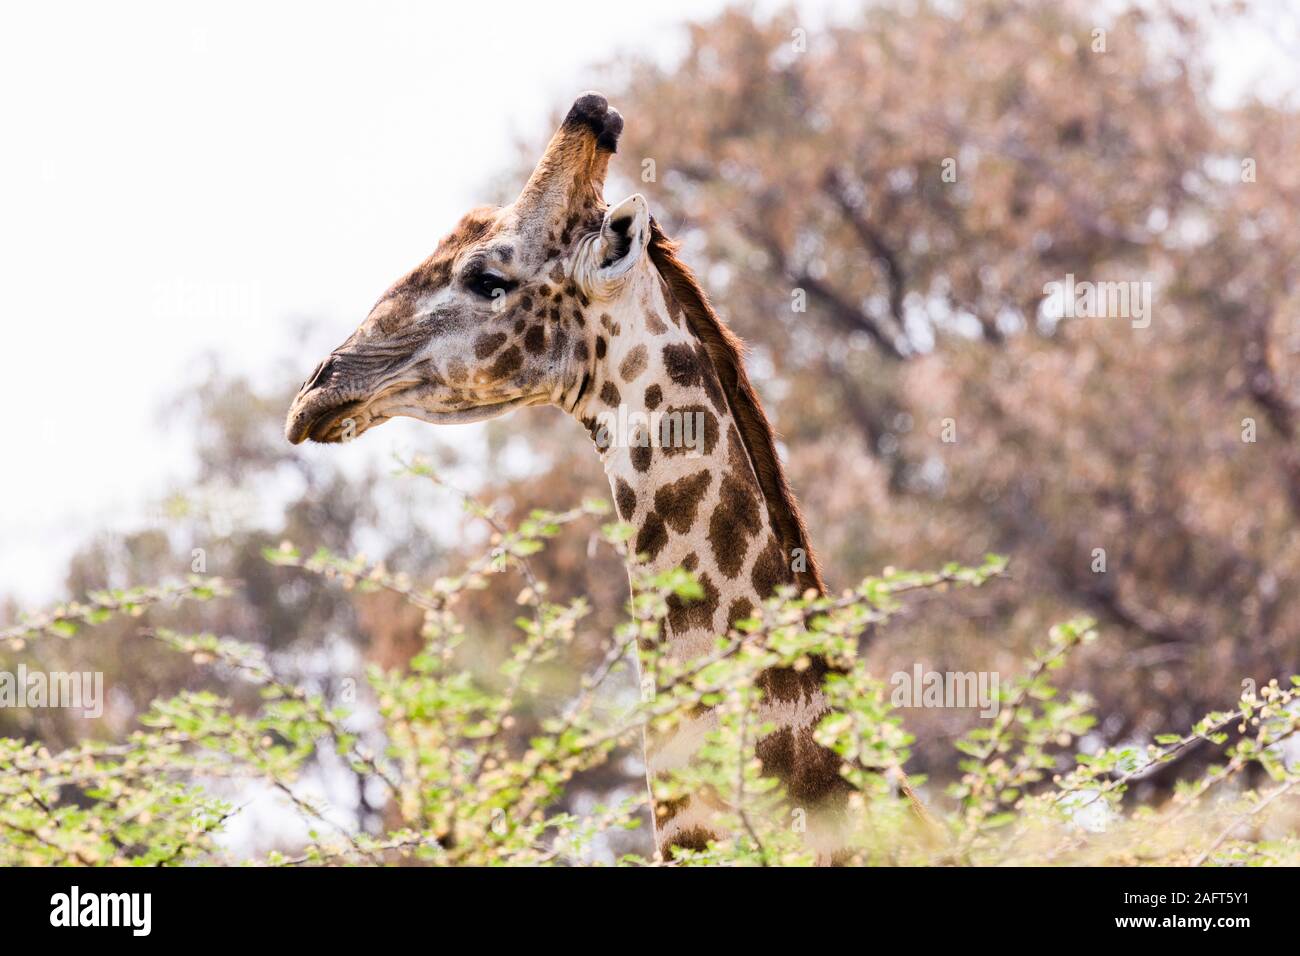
[726,351]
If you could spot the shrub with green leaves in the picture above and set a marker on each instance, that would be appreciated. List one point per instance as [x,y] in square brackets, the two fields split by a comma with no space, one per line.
[460,786]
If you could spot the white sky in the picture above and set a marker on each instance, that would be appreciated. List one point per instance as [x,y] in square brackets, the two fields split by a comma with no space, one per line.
[177,178]
[180,177]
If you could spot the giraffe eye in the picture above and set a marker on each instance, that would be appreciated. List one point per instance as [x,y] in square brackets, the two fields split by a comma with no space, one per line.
[489,285]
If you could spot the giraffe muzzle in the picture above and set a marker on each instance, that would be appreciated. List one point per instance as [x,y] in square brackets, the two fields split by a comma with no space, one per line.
[333,403]
[325,419]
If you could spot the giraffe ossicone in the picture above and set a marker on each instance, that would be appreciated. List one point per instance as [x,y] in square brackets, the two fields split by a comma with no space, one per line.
[559,299]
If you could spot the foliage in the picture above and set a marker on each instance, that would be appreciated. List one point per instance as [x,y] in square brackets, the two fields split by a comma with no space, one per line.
[460,790]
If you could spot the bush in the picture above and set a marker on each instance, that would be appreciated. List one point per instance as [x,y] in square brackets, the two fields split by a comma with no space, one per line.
[461,785]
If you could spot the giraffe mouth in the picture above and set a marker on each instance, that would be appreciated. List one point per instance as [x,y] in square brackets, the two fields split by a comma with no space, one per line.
[459,416]
[331,420]
[338,422]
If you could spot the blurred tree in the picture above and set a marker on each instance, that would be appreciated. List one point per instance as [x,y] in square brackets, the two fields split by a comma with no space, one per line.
[879,208]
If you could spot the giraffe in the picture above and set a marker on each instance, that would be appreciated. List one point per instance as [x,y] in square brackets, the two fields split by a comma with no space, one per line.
[560,299]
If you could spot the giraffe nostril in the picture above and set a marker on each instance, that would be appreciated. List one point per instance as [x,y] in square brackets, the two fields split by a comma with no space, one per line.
[322,374]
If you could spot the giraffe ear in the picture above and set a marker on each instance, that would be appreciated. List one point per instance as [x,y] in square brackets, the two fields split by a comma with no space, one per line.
[623,237]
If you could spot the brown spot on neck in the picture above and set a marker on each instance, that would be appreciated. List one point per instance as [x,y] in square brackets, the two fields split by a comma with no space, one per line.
[678,502]
[725,353]
[633,364]
[625,498]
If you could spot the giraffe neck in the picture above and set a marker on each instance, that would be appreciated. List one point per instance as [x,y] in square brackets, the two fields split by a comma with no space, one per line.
[681,474]
[678,469]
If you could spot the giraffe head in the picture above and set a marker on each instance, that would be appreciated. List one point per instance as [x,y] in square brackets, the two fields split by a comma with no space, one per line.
[496,318]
